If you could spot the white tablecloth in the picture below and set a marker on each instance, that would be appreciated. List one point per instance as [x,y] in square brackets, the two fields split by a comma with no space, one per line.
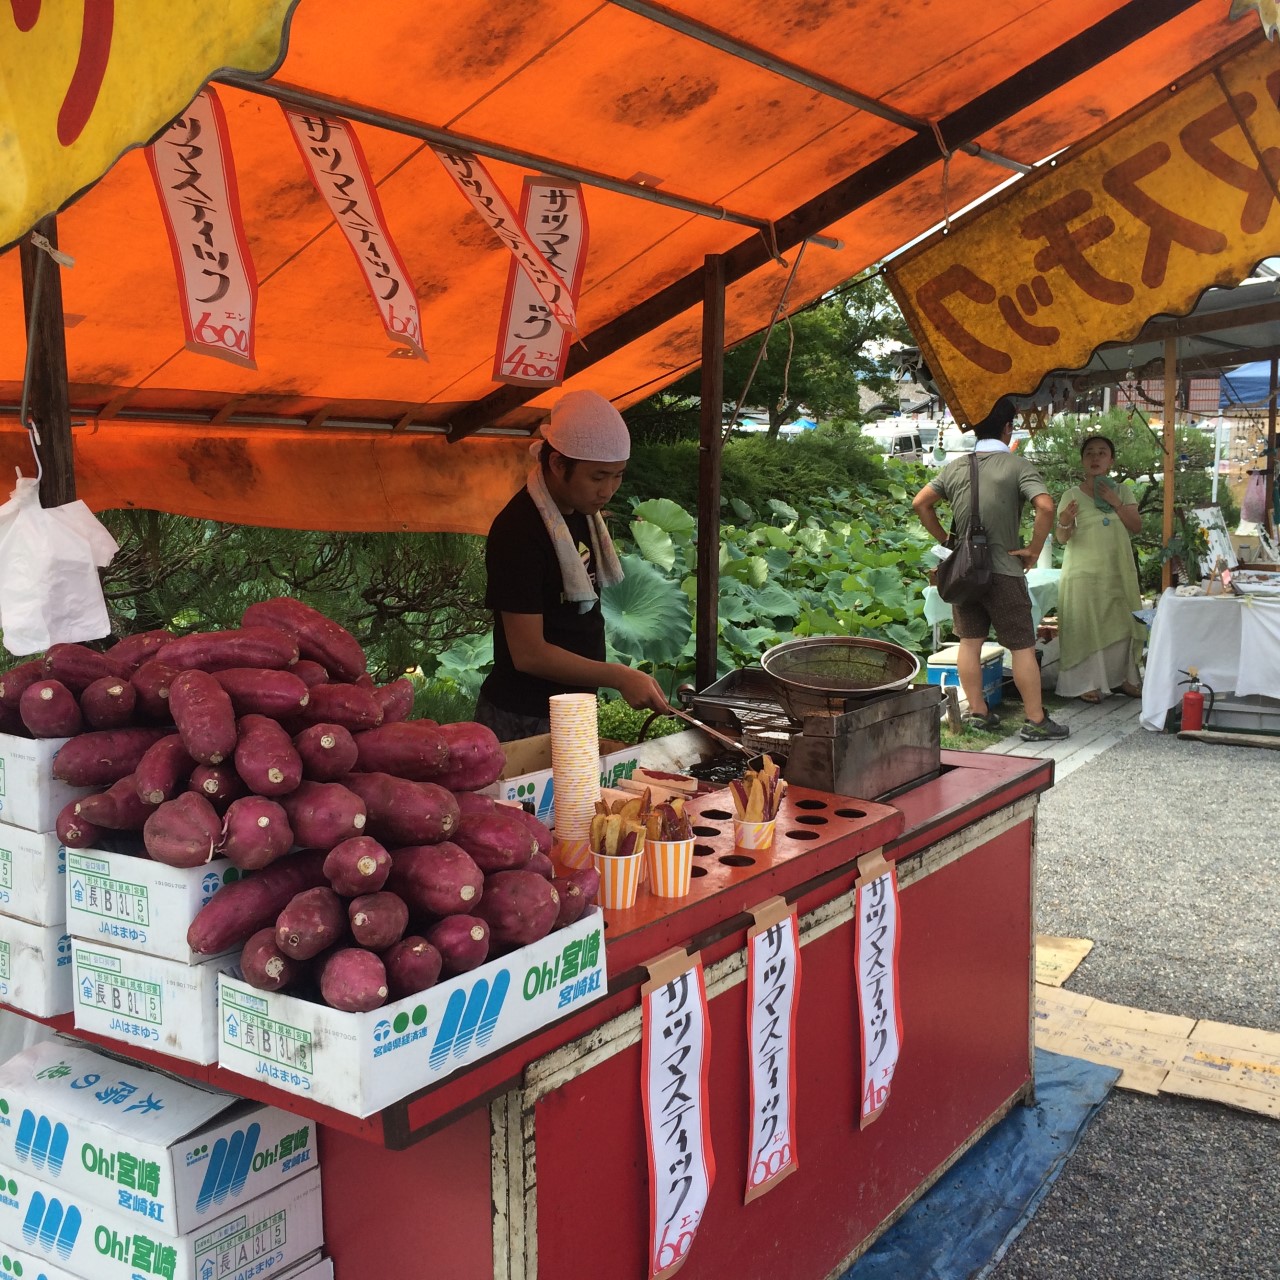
[1042,584]
[1233,640]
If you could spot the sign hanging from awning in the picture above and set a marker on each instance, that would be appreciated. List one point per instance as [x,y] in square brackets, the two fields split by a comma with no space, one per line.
[532,347]
[335,161]
[195,179]
[477,185]
[1178,196]
[85,82]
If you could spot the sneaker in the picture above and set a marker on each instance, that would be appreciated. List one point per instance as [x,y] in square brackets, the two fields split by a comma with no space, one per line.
[1046,731]
[986,722]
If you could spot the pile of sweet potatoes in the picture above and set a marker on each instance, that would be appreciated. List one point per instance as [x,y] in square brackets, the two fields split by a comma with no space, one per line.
[371,867]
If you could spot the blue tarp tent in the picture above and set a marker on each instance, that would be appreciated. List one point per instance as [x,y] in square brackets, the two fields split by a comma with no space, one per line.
[1249,384]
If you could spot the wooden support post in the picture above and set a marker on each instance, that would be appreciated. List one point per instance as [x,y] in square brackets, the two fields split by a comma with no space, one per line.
[1268,520]
[1170,448]
[49,399]
[707,621]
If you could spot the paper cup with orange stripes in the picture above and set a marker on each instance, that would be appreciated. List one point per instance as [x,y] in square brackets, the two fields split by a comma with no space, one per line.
[670,864]
[573,854]
[619,879]
[753,835]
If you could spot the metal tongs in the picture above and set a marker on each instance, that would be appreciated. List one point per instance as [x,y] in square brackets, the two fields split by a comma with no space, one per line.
[723,738]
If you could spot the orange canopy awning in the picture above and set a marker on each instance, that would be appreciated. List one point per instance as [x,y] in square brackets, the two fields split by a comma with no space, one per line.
[760,123]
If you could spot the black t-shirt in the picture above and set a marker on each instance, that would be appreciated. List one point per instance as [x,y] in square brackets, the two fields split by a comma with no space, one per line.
[524,577]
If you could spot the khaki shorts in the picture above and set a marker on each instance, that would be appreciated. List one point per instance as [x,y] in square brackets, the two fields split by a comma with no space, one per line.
[1006,606]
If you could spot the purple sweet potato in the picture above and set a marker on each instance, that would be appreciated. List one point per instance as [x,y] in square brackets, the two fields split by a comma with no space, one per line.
[310,673]
[320,639]
[78,666]
[219,650]
[349,705]
[476,757]
[402,811]
[378,920]
[151,683]
[412,749]
[118,808]
[312,921]
[462,941]
[183,832]
[265,966]
[395,699]
[436,879]
[262,691]
[50,710]
[255,832]
[413,965]
[328,752]
[16,679]
[536,828]
[265,757]
[323,814]
[573,901]
[11,724]
[74,830]
[108,703]
[204,715]
[541,865]
[220,784]
[133,651]
[519,906]
[353,980]
[101,758]
[357,866]
[498,841]
[588,880]
[238,910]
[164,770]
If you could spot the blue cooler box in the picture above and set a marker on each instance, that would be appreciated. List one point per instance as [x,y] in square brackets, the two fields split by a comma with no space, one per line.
[941,669]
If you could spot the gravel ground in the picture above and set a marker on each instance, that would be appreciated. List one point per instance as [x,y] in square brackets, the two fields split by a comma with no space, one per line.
[1167,855]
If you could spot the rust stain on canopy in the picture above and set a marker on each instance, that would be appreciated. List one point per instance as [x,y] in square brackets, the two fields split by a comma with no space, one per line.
[333,430]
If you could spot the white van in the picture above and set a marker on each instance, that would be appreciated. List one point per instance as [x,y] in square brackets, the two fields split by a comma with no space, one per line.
[894,441]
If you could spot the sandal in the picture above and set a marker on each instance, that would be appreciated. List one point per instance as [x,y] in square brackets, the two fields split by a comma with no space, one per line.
[1093,696]
[1130,690]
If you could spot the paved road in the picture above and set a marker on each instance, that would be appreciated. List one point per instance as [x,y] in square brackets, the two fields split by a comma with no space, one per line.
[1167,855]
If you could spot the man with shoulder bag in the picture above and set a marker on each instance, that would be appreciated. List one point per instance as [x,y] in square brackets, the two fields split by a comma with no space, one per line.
[986,585]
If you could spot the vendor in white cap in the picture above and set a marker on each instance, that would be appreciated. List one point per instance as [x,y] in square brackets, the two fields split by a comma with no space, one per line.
[548,553]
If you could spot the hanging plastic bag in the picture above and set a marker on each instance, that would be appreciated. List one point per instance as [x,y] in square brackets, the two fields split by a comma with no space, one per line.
[50,592]
[1253,508]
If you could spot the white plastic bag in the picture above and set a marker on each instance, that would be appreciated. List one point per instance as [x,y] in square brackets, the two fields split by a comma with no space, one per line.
[49,562]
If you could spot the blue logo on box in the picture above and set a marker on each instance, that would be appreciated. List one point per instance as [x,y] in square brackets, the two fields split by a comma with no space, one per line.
[42,1143]
[229,1164]
[470,1017]
[51,1224]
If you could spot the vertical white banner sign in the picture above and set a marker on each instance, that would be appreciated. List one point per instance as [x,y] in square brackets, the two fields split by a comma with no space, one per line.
[195,178]
[475,182]
[532,347]
[675,1050]
[337,167]
[879,1015]
[773,999]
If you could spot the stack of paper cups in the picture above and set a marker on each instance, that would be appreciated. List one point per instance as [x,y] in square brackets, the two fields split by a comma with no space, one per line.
[575,764]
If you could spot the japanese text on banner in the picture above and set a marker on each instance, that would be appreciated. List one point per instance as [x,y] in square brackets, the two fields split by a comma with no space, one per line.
[475,182]
[532,346]
[879,1016]
[337,166]
[773,992]
[676,1037]
[195,178]
[1178,197]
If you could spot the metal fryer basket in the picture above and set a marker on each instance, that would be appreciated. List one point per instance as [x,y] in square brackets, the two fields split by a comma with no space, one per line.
[820,675]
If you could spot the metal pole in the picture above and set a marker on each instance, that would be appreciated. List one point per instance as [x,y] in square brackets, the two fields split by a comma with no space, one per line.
[1268,512]
[707,620]
[1217,459]
[1170,410]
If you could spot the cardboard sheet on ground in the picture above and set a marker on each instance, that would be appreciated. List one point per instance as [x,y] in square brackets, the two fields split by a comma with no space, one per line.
[1237,1066]
[1058,958]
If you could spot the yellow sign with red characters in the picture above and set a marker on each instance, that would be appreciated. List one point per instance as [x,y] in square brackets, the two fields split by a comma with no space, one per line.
[85,80]
[1182,194]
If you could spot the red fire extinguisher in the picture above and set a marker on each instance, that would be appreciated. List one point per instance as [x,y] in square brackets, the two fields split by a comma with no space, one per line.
[1193,713]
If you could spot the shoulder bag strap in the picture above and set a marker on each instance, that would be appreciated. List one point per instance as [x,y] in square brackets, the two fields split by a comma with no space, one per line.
[976,527]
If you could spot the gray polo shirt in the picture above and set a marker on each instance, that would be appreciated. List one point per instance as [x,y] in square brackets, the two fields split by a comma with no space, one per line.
[1005,482]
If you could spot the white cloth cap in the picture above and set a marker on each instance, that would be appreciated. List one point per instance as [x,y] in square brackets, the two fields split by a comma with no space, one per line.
[586,426]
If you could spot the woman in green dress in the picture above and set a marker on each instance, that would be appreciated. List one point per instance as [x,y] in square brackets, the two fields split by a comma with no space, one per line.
[1100,638]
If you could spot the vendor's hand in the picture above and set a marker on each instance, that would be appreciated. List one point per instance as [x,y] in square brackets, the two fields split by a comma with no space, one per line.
[640,690]
[1026,557]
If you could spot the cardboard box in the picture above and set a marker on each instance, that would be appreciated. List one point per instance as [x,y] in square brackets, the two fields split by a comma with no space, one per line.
[30,796]
[259,1239]
[363,1062]
[35,967]
[162,1005]
[318,1269]
[137,903]
[168,1153]
[33,880]
[941,669]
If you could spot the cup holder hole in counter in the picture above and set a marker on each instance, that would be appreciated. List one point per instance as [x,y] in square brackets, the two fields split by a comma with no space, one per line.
[698,871]
[812,819]
[802,835]
[811,804]
[702,851]
[706,831]
[851,813]
[738,860]
[717,815]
